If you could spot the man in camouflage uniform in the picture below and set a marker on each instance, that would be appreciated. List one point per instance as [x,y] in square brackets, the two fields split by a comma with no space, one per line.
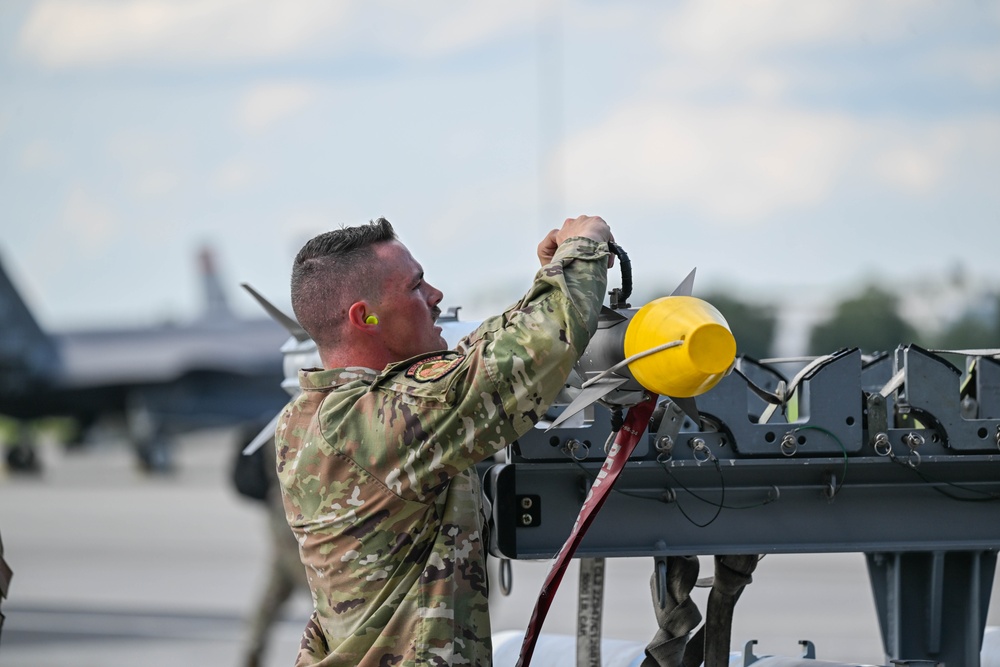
[5,576]
[285,574]
[376,455]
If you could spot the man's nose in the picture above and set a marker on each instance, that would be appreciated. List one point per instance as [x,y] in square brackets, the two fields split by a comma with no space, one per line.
[435,296]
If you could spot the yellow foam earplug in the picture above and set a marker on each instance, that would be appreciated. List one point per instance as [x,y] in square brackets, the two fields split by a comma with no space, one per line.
[371,319]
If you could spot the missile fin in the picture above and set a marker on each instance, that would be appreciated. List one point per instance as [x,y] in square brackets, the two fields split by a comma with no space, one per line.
[610,317]
[686,288]
[293,327]
[589,396]
[689,407]
[266,434]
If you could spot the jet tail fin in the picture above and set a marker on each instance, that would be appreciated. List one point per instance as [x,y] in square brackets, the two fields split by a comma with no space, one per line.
[27,353]
[216,303]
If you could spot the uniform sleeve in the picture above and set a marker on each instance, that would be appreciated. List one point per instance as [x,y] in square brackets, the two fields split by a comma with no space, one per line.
[444,413]
[580,285]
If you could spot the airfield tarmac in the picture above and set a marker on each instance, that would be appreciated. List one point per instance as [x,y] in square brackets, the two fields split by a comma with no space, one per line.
[113,568]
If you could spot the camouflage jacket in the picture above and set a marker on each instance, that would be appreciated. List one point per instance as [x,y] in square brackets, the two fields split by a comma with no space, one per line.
[378,479]
[5,576]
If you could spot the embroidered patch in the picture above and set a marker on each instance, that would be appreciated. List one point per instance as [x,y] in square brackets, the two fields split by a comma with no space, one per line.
[433,368]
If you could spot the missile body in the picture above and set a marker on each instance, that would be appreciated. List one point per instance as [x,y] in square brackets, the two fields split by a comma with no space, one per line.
[676,346]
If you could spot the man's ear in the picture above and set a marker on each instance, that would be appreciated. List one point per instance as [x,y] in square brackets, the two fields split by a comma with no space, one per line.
[361,315]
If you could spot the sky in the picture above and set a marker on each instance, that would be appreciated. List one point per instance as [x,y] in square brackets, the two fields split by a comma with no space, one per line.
[787,149]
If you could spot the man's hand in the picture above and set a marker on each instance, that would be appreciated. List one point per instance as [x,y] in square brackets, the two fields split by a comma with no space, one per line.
[591,227]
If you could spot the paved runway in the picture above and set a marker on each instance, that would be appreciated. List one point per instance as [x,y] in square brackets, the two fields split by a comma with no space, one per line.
[113,568]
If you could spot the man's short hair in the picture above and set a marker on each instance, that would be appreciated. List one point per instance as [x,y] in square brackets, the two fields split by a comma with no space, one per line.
[332,271]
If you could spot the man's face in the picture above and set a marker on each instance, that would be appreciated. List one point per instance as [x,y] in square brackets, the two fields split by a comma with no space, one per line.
[408,305]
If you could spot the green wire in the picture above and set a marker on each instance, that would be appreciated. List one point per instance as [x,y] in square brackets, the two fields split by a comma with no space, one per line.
[843,475]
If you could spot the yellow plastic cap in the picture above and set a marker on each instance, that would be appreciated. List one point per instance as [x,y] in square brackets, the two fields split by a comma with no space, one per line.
[695,366]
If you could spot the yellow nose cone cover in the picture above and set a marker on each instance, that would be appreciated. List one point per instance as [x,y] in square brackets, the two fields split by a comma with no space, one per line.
[692,368]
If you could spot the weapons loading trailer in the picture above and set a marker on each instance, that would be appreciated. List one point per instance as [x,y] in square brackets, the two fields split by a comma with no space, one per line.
[896,457]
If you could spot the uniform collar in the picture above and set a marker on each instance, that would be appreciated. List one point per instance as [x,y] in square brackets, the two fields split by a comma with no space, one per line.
[321,378]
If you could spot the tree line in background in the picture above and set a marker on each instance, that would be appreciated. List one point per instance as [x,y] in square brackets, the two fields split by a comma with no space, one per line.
[869,320]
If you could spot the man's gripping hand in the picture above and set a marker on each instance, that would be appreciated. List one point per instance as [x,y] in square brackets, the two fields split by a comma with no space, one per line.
[591,227]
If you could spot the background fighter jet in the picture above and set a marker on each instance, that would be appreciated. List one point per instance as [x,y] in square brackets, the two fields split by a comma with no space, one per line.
[157,381]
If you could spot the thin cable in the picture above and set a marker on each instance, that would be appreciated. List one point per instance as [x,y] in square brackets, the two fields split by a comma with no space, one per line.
[785,360]
[843,475]
[988,496]
[718,507]
[722,484]
[980,352]
[634,357]
[659,498]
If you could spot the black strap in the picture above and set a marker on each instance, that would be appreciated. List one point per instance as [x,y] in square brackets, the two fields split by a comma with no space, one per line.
[762,393]
[711,644]
[676,613]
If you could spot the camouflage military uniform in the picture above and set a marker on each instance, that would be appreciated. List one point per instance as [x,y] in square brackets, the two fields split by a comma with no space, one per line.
[376,470]
[5,576]
[285,574]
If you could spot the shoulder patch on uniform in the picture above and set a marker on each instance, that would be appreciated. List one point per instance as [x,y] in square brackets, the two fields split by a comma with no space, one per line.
[434,368]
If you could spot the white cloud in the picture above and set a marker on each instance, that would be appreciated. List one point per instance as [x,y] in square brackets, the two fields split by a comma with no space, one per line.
[920,157]
[715,127]
[267,103]
[98,32]
[736,164]
[728,27]
[431,29]
[742,163]
[909,168]
[979,66]
[75,33]
[772,51]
